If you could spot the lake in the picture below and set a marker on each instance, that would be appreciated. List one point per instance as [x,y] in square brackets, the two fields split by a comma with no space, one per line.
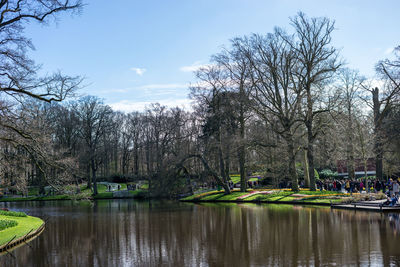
[171,233]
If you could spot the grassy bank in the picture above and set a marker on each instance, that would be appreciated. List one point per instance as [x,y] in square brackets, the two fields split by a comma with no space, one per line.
[84,193]
[21,226]
[100,195]
[273,195]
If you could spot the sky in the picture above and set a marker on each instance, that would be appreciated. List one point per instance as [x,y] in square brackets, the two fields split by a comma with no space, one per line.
[133,53]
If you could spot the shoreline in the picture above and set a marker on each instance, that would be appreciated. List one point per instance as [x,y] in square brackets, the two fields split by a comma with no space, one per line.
[69,197]
[22,233]
[260,202]
[66,199]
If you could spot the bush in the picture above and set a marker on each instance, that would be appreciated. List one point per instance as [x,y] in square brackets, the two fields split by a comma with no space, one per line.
[13,213]
[139,194]
[328,174]
[4,224]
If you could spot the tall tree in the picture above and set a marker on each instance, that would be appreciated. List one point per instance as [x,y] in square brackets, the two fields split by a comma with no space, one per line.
[318,61]
[382,101]
[215,109]
[276,94]
[349,90]
[239,68]
[95,123]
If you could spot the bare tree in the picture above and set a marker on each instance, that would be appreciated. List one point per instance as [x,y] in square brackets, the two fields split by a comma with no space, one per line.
[239,70]
[215,110]
[317,62]
[389,71]
[95,122]
[18,73]
[349,90]
[19,79]
[276,93]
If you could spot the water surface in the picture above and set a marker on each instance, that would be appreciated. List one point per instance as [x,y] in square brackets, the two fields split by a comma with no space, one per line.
[168,233]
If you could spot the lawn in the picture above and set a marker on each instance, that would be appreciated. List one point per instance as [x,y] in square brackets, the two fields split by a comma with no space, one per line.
[304,196]
[24,225]
[84,193]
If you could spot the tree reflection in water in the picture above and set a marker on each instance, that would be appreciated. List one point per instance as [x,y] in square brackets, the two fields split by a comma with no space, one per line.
[131,233]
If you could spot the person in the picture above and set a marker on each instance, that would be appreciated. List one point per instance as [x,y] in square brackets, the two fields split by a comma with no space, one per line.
[391,200]
[353,187]
[347,186]
[377,186]
[396,188]
[390,187]
[339,186]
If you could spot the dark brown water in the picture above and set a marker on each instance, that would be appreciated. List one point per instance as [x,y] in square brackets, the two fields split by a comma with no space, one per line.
[129,233]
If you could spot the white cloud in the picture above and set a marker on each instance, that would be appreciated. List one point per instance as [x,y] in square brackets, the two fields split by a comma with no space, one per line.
[164,86]
[194,67]
[388,51]
[116,90]
[139,71]
[372,83]
[129,106]
[153,89]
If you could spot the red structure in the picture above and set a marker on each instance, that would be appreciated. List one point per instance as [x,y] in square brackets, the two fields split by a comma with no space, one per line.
[359,167]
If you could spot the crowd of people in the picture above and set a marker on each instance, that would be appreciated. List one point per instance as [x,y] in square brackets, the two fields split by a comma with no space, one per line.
[357,185]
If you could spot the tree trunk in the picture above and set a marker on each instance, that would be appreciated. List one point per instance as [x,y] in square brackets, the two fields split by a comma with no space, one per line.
[378,146]
[306,170]
[94,177]
[292,163]
[310,139]
[242,152]
[350,161]
[136,160]
[310,156]
[350,148]
[220,180]
[89,182]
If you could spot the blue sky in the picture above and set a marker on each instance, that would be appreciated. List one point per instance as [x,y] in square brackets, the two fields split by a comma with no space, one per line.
[133,53]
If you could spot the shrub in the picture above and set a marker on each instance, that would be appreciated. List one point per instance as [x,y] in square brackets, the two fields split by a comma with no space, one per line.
[4,224]
[13,213]
[328,174]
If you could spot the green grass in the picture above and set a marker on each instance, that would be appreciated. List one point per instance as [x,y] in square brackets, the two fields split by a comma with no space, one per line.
[278,195]
[85,193]
[24,225]
[33,191]
[144,186]
[235,178]
[212,196]
[138,193]
[232,196]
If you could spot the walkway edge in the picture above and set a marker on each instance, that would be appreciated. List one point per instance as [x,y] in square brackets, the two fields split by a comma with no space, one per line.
[26,238]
